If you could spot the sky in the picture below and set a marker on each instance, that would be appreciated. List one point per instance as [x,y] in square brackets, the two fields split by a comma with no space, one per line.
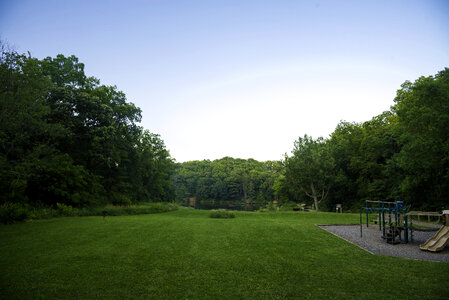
[240,78]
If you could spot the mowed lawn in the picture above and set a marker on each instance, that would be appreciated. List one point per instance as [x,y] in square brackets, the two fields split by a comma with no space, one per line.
[187,255]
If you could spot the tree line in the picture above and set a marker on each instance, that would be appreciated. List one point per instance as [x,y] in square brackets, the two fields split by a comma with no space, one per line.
[401,154]
[243,184]
[66,138]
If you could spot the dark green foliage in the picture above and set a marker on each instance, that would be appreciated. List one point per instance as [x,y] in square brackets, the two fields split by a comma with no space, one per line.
[64,210]
[16,212]
[422,108]
[12,212]
[66,139]
[269,207]
[228,183]
[401,154]
[222,214]
[289,206]
[310,170]
[141,209]
[362,155]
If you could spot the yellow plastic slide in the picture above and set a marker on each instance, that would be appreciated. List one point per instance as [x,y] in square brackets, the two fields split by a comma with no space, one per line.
[438,242]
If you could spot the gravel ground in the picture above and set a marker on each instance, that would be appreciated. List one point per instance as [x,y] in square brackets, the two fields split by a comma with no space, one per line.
[373,242]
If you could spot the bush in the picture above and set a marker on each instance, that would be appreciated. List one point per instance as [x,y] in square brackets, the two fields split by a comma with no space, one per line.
[12,212]
[289,206]
[64,210]
[41,212]
[269,207]
[15,212]
[121,200]
[222,214]
[147,208]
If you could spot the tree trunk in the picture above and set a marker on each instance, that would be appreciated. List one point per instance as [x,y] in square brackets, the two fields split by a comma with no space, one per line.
[315,197]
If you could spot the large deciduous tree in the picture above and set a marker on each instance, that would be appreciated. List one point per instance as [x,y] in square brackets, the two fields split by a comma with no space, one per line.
[66,138]
[422,108]
[310,169]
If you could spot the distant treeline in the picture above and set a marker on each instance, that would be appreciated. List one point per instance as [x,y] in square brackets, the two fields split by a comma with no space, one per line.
[228,183]
[402,154]
[65,138]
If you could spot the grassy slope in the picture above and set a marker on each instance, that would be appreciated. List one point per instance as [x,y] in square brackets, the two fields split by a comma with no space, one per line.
[185,254]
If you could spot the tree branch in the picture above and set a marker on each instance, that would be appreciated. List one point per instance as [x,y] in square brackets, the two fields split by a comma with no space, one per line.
[307,193]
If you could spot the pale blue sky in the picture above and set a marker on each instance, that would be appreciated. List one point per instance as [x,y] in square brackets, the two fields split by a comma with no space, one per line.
[241,78]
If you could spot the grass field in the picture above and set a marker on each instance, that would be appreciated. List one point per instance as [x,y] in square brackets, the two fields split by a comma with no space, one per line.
[187,255]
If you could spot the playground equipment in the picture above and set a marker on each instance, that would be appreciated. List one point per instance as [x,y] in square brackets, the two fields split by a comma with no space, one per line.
[400,222]
[441,239]
[438,242]
[396,224]
[429,215]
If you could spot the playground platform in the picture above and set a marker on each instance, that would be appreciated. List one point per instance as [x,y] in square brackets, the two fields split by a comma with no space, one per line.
[373,242]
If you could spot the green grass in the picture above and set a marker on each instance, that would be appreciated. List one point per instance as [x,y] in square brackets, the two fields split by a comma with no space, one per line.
[185,254]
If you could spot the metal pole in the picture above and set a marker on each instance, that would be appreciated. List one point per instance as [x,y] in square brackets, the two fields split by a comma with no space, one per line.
[380,220]
[380,226]
[406,229]
[367,218]
[361,223]
[396,212]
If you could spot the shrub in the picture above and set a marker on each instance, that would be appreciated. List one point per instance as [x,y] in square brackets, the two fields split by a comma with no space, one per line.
[147,208]
[64,210]
[222,214]
[269,207]
[15,212]
[121,200]
[289,206]
[41,212]
[12,212]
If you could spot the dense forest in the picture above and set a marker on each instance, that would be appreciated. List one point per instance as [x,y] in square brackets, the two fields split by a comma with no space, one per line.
[402,154]
[66,138]
[228,183]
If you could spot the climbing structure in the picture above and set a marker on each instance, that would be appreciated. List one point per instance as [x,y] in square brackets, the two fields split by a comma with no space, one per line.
[395,221]
[391,218]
